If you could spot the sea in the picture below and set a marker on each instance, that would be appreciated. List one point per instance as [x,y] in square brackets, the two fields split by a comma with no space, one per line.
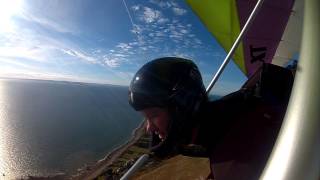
[54,127]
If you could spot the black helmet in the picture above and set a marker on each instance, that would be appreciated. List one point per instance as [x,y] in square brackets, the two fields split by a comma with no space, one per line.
[174,83]
[168,81]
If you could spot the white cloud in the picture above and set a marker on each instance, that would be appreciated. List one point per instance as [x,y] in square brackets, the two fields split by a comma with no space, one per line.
[137,29]
[184,55]
[30,45]
[150,15]
[174,4]
[124,46]
[179,11]
[163,4]
[136,7]
[133,43]
[44,75]
[125,75]
[163,20]
[167,36]
[46,22]
[12,62]
[97,51]
[79,55]
[112,62]
[197,41]
[27,45]
[144,48]
[160,34]
[30,53]
[184,31]
[177,35]
[120,55]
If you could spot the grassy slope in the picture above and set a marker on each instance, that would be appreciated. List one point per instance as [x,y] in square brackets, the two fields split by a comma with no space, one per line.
[177,167]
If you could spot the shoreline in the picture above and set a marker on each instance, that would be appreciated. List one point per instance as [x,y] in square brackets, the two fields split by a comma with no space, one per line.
[93,171]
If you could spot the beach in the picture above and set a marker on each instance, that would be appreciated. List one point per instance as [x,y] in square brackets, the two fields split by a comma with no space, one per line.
[117,163]
[120,160]
[108,167]
[51,129]
[104,167]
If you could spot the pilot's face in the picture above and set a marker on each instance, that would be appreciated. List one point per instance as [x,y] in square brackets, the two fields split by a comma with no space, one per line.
[157,121]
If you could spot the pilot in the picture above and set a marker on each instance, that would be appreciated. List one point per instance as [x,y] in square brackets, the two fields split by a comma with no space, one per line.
[236,132]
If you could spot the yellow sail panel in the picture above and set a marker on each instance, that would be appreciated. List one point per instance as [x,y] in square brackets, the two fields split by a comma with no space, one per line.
[221,19]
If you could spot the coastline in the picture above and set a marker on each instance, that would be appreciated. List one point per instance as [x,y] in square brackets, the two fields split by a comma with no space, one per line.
[117,162]
[100,168]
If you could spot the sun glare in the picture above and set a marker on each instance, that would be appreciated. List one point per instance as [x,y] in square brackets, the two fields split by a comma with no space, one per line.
[8,8]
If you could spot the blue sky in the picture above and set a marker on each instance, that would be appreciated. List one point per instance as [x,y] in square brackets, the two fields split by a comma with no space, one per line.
[99,41]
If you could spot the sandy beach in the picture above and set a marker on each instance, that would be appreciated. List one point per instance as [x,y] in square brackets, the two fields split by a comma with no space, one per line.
[100,168]
[117,162]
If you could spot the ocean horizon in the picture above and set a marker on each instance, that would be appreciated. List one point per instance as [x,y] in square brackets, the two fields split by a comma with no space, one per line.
[52,127]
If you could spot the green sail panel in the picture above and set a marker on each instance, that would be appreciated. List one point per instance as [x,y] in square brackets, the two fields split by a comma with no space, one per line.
[221,19]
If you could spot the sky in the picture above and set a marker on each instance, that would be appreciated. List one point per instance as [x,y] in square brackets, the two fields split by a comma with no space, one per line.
[105,41]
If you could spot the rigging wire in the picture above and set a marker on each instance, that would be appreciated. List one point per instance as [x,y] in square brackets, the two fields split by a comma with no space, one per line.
[130,17]
[135,28]
[235,45]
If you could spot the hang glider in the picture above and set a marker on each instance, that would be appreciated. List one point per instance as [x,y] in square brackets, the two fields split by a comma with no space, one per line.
[273,37]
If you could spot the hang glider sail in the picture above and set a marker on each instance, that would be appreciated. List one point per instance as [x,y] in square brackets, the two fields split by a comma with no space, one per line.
[273,37]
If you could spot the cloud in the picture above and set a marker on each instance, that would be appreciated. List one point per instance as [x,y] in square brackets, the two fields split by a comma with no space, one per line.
[163,4]
[40,74]
[159,34]
[29,53]
[79,55]
[97,51]
[124,46]
[150,15]
[27,45]
[155,35]
[120,55]
[137,29]
[125,75]
[184,55]
[179,11]
[112,62]
[163,20]
[197,41]
[13,62]
[46,22]
[32,45]
[18,68]
[136,7]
